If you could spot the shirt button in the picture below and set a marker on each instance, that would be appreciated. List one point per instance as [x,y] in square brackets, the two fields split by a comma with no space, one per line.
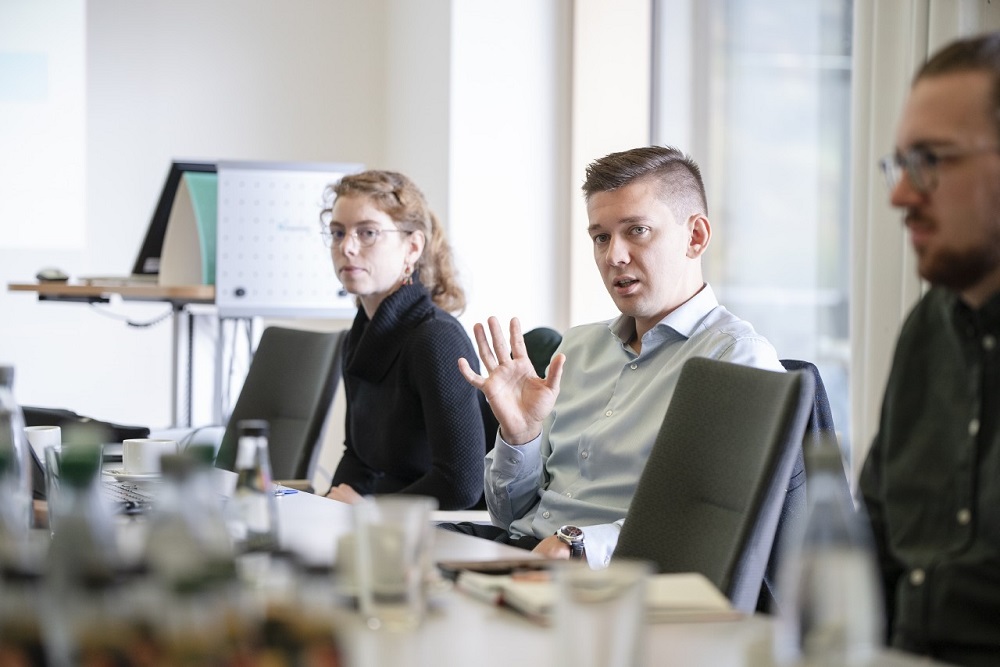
[974,427]
[634,366]
[585,455]
[989,342]
[546,515]
[917,577]
[609,413]
[964,516]
[569,495]
[512,460]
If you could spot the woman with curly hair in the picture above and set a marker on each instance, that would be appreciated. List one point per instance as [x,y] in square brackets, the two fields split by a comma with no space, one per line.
[413,423]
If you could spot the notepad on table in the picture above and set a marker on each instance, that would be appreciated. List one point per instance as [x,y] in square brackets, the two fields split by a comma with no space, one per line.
[686,596]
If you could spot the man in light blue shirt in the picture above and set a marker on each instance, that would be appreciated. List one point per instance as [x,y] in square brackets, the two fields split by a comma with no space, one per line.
[571,447]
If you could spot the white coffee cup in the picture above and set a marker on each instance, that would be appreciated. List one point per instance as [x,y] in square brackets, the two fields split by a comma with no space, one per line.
[141,456]
[41,437]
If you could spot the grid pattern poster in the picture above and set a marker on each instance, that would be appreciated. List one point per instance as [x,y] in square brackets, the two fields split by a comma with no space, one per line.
[271,260]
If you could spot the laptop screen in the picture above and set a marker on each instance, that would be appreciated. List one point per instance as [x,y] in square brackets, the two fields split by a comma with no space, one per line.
[148,260]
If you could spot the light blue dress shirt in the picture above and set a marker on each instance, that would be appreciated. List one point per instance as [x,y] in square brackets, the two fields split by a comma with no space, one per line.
[584,466]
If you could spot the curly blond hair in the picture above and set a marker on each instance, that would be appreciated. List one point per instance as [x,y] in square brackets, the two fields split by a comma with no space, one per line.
[398,197]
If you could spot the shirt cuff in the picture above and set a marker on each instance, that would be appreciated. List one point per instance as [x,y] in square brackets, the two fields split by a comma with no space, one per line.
[599,542]
[510,460]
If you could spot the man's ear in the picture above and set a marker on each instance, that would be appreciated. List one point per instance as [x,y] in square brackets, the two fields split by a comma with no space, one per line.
[700,234]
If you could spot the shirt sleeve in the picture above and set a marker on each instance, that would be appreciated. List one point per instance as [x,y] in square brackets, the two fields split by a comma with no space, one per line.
[513,478]
[352,471]
[753,351]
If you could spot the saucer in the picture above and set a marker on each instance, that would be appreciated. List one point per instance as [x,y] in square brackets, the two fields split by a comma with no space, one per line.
[122,476]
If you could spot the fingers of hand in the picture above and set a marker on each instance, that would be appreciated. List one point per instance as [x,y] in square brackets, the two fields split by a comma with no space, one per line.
[554,374]
[517,348]
[499,342]
[471,376]
[485,351]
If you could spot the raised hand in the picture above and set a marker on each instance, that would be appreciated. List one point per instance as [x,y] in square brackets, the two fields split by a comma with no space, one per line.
[520,399]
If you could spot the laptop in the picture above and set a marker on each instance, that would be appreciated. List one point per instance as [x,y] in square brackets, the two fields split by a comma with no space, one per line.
[126,498]
[146,268]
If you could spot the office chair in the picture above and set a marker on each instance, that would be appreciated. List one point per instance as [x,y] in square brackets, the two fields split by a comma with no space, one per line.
[819,428]
[290,383]
[710,496]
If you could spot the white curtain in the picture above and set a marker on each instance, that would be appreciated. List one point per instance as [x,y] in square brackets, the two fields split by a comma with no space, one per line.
[892,38]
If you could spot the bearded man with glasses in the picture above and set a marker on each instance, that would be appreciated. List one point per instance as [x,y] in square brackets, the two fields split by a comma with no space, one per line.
[931,481]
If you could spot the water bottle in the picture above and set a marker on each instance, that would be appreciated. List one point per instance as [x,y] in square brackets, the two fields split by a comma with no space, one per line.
[201,491]
[20,615]
[254,523]
[86,619]
[177,552]
[15,479]
[190,570]
[830,596]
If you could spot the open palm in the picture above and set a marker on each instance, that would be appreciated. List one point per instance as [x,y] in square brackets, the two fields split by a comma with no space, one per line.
[519,398]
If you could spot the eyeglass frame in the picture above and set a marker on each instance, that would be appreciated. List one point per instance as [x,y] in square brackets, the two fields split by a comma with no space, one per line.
[921,164]
[329,241]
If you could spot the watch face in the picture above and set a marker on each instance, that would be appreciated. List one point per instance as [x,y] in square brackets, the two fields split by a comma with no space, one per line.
[571,533]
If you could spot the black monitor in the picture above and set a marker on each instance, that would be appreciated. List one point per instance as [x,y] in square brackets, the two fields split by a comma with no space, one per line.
[148,260]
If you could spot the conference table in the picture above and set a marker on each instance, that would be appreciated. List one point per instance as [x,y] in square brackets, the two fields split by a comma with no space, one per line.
[462,630]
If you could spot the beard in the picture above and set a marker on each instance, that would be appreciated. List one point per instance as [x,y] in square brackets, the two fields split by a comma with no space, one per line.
[959,270]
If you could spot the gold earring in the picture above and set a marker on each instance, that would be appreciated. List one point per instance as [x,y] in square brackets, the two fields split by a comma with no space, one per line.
[407,277]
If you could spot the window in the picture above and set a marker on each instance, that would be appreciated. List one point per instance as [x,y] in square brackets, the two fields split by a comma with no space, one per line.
[759,94]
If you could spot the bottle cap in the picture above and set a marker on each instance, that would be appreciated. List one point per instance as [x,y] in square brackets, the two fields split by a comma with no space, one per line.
[6,459]
[6,376]
[253,427]
[177,467]
[203,455]
[824,456]
[79,464]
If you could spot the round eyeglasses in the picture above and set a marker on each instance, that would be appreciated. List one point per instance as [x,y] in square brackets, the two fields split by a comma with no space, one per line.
[921,164]
[365,235]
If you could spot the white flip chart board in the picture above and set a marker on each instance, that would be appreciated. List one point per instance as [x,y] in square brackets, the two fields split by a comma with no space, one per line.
[271,261]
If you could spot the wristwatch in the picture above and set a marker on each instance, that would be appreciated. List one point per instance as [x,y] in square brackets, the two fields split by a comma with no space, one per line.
[573,537]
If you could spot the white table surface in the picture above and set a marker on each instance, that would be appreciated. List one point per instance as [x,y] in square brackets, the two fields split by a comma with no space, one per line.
[463,631]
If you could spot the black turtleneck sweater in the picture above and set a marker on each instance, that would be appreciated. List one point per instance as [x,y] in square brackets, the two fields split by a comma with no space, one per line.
[413,422]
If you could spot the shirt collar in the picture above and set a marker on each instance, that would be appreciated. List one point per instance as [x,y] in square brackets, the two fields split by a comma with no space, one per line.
[985,319]
[683,320]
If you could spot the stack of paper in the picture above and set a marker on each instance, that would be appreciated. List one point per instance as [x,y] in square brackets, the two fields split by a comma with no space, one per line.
[686,596]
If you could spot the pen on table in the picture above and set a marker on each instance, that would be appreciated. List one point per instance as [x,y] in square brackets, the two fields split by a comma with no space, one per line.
[284,491]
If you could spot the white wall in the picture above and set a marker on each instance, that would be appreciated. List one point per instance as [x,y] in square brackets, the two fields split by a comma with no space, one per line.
[611,112]
[470,99]
[508,135]
[290,80]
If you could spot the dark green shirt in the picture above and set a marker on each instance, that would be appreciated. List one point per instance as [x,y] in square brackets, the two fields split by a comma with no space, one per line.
[932,479]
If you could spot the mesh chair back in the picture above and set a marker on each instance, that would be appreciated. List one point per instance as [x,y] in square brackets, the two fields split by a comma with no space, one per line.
[711,493]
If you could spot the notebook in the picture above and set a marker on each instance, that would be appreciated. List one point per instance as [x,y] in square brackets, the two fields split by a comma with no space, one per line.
[674,597]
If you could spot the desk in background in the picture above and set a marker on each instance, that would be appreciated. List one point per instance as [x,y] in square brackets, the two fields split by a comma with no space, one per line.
[180,299]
